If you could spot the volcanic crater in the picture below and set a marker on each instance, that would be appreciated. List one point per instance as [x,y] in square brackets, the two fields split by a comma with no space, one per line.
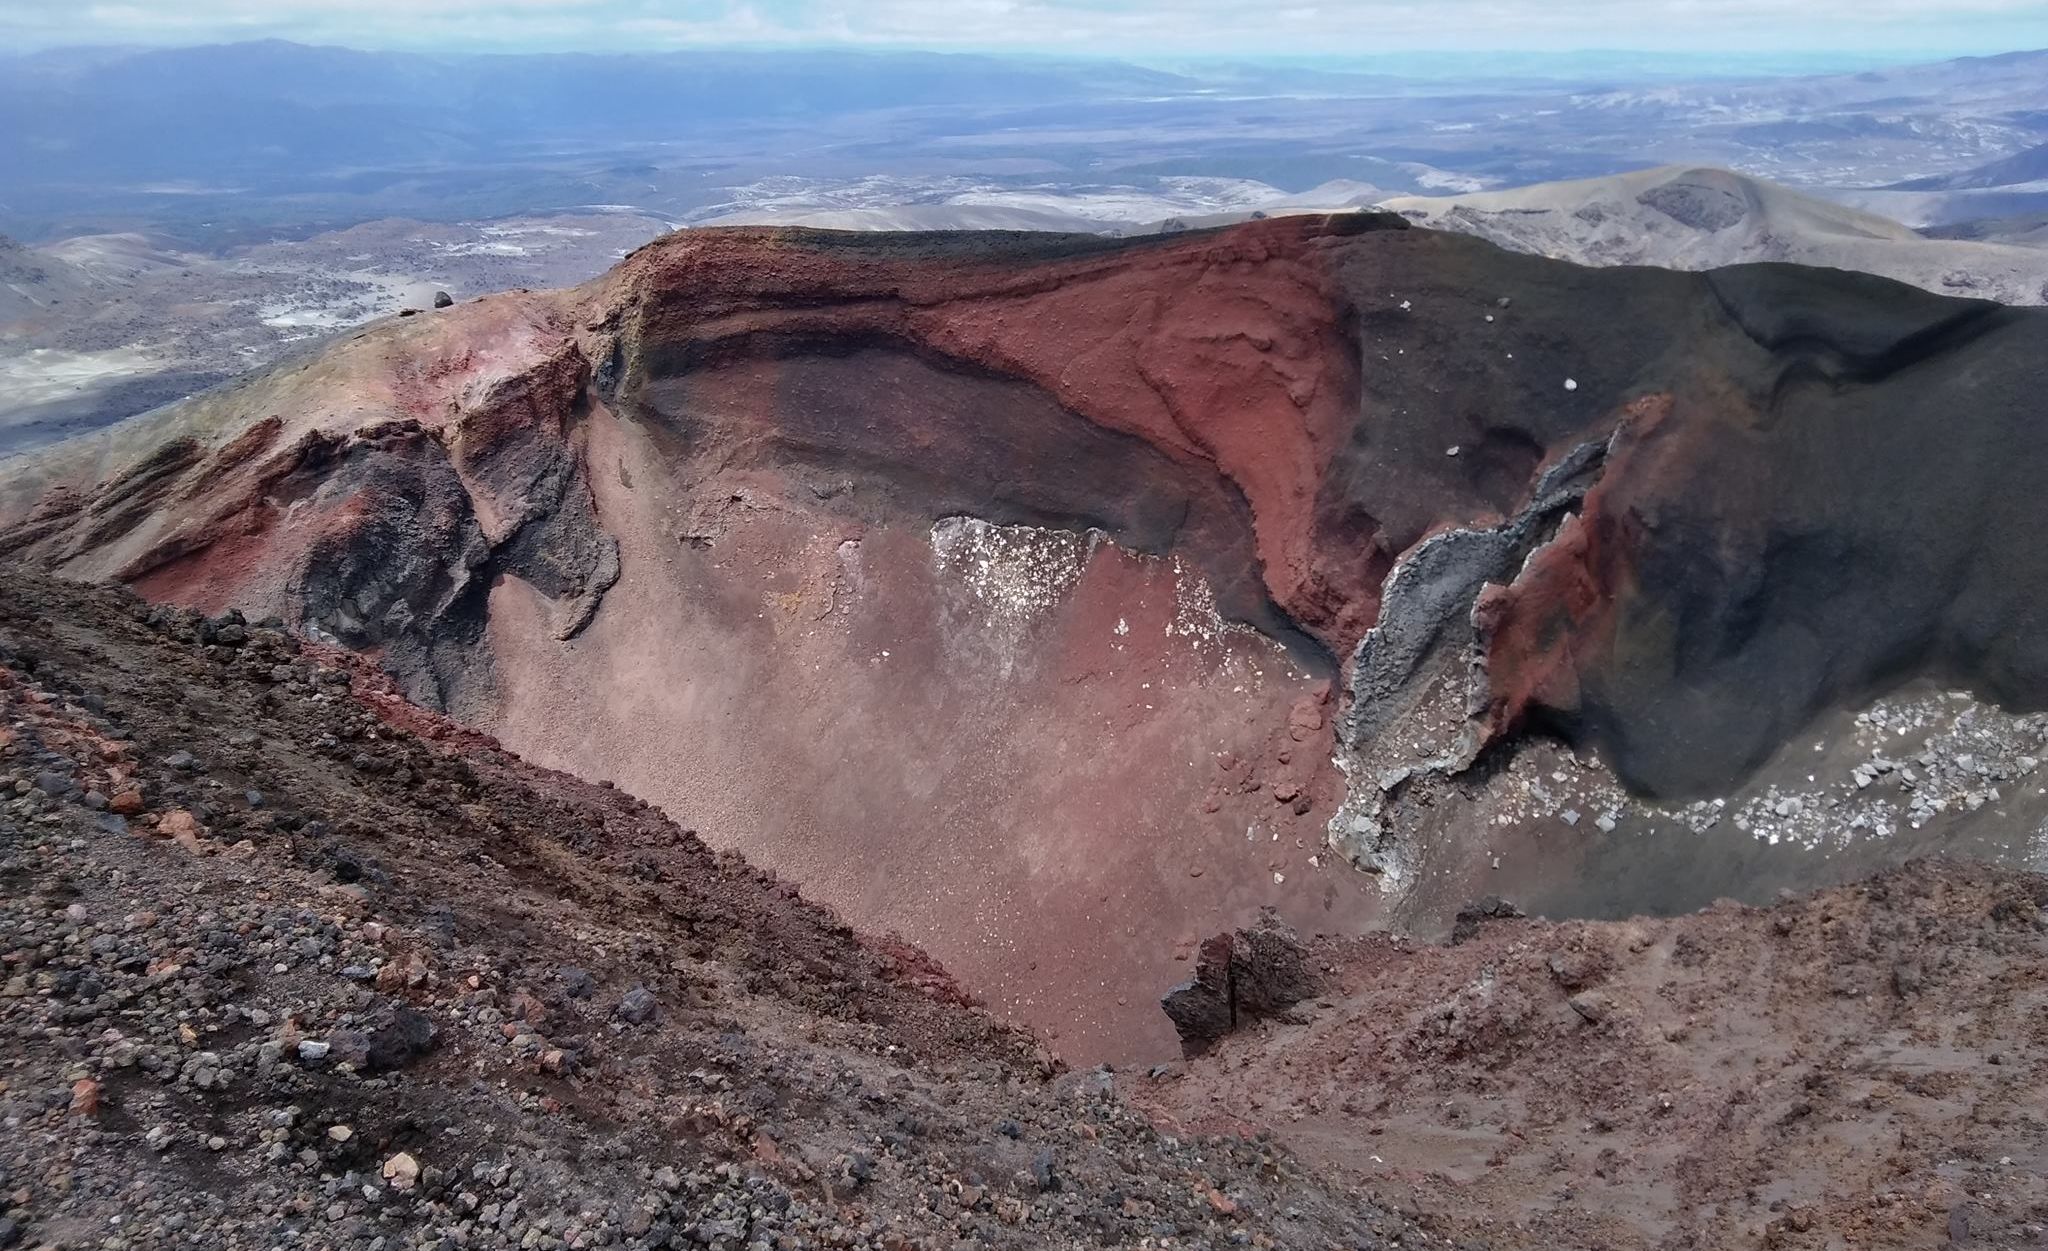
[1058,602]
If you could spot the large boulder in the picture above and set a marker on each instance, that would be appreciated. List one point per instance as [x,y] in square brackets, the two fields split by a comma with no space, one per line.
[1241,977]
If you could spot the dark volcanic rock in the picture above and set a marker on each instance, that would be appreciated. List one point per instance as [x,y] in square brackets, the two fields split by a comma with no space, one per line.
[1702,205]
[1270,969]
[390,1037]
[638,1006]
[1200,1007]
[1241,977]
[1472,916]
[1815,533]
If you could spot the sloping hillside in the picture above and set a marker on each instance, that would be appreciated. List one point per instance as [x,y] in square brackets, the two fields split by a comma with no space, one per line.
[1687,218]
[285,958]
[31,281]
[2030,166]
[1851,1069]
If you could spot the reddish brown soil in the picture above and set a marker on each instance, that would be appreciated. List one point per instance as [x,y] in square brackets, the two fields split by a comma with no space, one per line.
[1862,1068]
[220,860]
[1057,807]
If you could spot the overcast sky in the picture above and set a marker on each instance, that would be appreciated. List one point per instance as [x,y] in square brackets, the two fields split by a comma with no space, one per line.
[1118,27]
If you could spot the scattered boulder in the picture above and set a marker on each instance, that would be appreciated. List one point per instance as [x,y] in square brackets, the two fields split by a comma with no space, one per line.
[1045,1172]
[637,1006]
[402,1171]
[1465,927]
[1269,968]
[1240,977]
[443,300]
[390,1036]
[85,1097]
[180,824]
[1577,967]
[1200,1008]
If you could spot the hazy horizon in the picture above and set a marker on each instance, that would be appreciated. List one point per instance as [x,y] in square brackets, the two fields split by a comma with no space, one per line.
[1414,62]
[1816,31]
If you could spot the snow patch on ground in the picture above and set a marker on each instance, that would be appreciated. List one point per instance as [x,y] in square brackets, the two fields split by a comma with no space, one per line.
[363,296]
[1013,575]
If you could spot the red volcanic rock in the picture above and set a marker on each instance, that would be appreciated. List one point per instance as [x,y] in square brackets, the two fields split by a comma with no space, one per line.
[1537,632]
[1304,718]
[932,570]
[1227,350]
[85,1097]
[1231,353]
[180,825]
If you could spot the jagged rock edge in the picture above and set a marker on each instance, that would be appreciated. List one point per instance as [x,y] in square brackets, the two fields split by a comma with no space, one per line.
[1382,692]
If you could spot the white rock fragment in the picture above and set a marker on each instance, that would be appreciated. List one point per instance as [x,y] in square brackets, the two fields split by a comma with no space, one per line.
[402,1171]
[1571,384]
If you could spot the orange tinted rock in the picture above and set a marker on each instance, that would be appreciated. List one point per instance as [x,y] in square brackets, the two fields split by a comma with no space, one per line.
[181,825]
[85,1097]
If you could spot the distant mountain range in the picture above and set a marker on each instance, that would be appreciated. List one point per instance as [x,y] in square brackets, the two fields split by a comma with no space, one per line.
[248,109]
[240,143]
[2029,166]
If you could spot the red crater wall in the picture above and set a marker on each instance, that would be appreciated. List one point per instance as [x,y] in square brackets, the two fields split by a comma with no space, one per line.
[1006,590]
